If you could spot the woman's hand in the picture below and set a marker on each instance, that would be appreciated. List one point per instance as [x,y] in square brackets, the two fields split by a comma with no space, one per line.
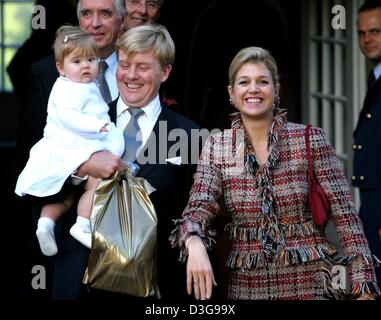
[366,296]
[200,277]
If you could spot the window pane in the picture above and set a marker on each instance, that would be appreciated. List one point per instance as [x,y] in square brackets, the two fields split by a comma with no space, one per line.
[1,24]
[17,23]
[1,68]
[8,55]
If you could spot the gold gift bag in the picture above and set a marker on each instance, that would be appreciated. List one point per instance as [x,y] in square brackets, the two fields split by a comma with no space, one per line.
[123,255]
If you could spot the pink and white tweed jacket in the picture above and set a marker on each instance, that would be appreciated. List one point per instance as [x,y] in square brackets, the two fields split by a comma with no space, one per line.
[271,220]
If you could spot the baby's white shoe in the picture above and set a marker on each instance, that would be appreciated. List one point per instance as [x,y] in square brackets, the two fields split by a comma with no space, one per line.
[82,233]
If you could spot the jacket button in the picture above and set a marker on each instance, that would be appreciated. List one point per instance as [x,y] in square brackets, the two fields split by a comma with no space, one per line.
[353,178]
[369,115]
[362,178]
[354,147]
[359,147]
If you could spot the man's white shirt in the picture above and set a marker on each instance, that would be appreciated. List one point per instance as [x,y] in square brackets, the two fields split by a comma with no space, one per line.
[146,121]
[110,75]
[377,71]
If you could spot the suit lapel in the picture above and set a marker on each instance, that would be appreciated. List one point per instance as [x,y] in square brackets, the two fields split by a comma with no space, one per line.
[155,141]
[367,102]
[112,110]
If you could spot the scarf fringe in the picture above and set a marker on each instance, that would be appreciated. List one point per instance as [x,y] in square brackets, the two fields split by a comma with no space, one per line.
[368,258]
[360,288]
[286,257]
[248,234]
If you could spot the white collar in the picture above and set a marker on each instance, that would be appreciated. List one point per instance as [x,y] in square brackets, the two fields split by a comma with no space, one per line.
[377,71]
[151,110]
[111,60]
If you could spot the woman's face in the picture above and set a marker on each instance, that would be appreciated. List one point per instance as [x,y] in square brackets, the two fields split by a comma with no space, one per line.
[253,91]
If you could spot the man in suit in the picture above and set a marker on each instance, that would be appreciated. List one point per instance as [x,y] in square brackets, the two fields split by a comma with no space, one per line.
[367,135]
[145,58]
[102,19]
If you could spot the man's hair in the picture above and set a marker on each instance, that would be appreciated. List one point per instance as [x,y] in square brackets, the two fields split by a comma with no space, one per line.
[119,6]
[160,2]
[147,37]
[370,5]
[70,38]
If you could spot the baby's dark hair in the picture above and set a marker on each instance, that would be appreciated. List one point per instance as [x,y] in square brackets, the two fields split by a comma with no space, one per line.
[69,38]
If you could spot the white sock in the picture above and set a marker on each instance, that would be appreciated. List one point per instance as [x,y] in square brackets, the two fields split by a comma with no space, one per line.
[46,223]
[83,221]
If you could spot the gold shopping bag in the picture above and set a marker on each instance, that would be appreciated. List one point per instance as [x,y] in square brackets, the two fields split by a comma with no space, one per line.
[123,256]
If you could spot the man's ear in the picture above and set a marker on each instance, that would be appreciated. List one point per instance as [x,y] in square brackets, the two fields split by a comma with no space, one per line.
[167,70]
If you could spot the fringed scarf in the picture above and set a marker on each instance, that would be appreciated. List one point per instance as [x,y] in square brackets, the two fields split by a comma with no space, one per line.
[272,238]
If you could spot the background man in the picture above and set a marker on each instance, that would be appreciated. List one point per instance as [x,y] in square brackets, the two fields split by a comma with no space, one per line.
[140,12]
[102,19]
[367,135]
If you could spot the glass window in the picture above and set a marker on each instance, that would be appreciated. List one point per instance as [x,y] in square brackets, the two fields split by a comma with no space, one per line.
[15,28]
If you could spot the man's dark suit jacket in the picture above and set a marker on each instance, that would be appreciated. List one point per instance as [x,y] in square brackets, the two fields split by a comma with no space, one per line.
[367,167]
[172,183]
[34,109]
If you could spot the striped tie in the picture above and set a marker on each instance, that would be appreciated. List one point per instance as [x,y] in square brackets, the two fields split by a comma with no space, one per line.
[102,83]
[130,133]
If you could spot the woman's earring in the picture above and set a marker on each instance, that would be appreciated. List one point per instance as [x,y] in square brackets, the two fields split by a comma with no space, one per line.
[276,102]
[231,102]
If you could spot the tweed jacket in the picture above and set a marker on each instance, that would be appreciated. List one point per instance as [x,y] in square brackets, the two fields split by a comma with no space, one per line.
[271,219]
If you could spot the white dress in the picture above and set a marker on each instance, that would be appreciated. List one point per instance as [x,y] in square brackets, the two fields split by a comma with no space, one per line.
[76,113]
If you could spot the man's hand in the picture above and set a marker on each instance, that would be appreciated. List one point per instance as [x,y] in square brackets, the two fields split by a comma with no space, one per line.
[101,165]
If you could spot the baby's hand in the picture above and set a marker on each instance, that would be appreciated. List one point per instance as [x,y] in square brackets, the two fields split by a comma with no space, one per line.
[104,128]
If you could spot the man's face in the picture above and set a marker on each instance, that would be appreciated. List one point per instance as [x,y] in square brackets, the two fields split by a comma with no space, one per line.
[141,12]
[369,32]
[139,77]
[101,20]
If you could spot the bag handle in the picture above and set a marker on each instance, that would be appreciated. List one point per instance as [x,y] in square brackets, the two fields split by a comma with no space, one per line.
[309,157]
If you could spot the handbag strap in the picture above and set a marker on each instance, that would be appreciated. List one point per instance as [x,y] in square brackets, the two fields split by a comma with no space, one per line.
[309,157]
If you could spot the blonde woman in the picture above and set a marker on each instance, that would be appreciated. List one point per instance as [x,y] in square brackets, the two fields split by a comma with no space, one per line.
[277,251]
